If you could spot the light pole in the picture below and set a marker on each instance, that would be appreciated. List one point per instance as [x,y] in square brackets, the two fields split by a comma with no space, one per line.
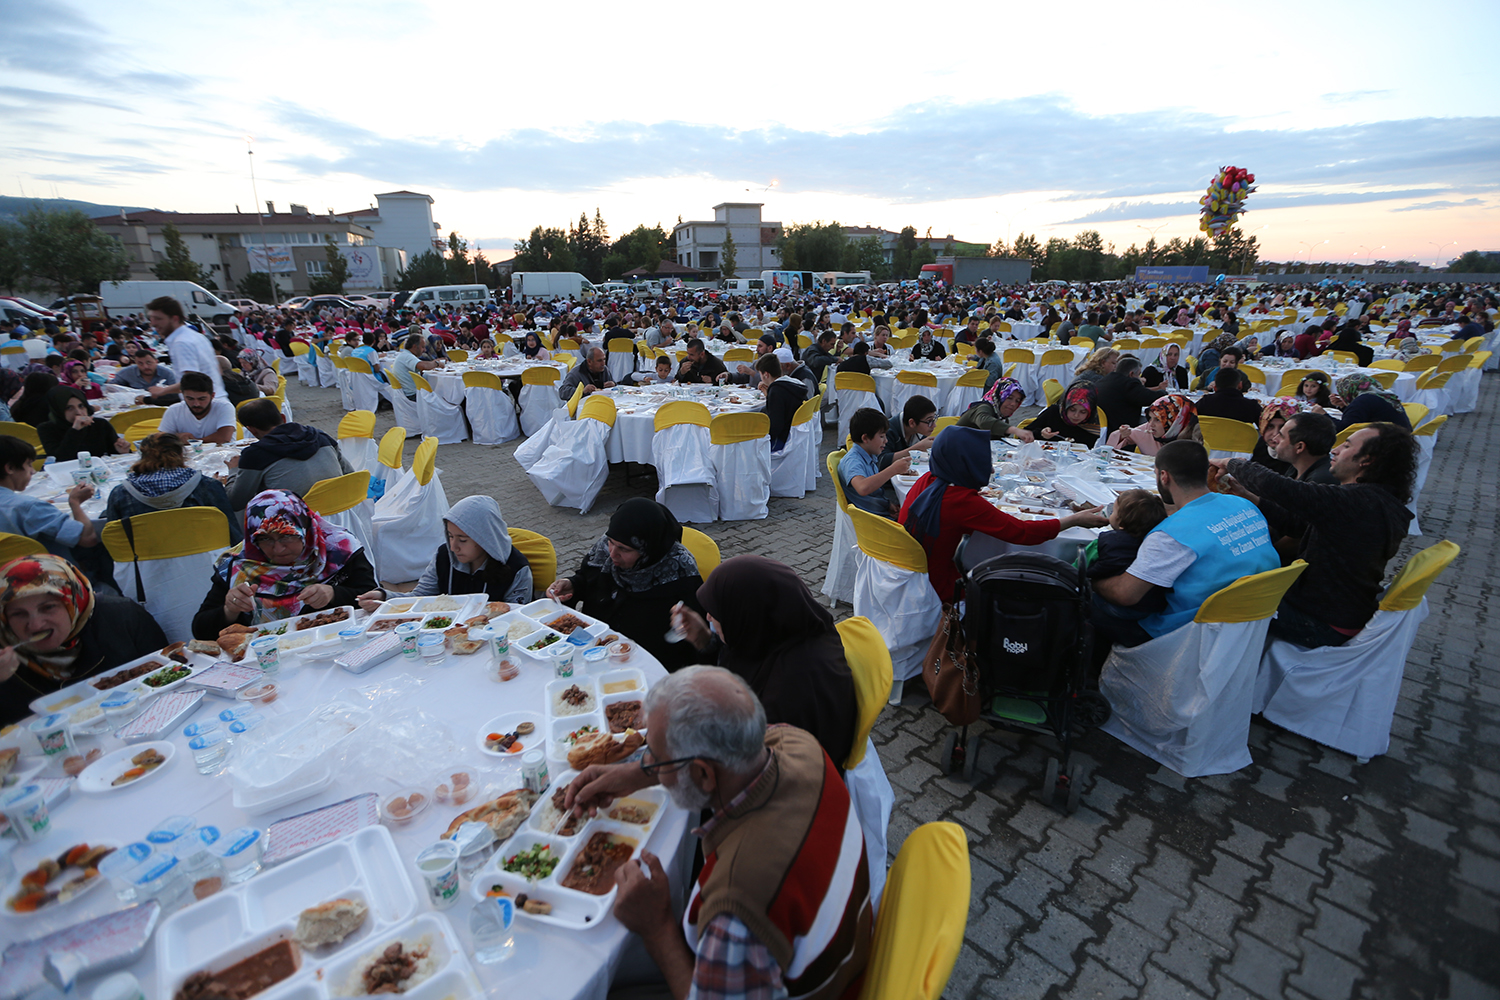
[1245,257]
[260,216]
[1307,262]
[1368,251]
[1151,243]
[1438,257]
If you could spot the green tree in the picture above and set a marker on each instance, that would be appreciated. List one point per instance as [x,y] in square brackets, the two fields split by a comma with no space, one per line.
[544,250]
[589,242]
[812,246]
[999,249]
[12,273]
[729,260]
[255,285]
[643,246]
[65,251]
[484,270]
[923,254]
[866,254]
[1474,262]
[177,263]
[1027,248]
[331,281]
[426,268]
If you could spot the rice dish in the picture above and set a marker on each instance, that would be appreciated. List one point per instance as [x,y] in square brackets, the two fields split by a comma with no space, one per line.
[520,630]
[291,642]
[442,603]
[415,951]
[572,700]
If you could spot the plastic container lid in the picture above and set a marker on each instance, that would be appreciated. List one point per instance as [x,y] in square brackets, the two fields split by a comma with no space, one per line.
[237,712]
[209,739]
[119,863]
[596,655]
[237,842]
[159,866]
[22,796]
[118,700]
[53,721]
[196,843]
[171,828]
[246,722]
[199,728]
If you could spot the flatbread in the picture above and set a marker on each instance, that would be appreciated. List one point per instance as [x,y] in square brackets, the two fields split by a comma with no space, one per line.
[496,608]
[463,647]
[503,815]
[8,760]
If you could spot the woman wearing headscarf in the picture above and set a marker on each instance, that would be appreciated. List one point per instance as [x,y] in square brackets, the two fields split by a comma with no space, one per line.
[765,625]
[31,406]
[71,427]
[1208,358]
[1410,347]
[161,480]
[1168,373]
[1272,416]
[1075,416]
[531,347]
[478,558]
[1168,419]
[944,505]
[291,562]
[1347,339]
[57,631]
[76,376]
[1364,401]
[257,371]
[634,575]
[992,411]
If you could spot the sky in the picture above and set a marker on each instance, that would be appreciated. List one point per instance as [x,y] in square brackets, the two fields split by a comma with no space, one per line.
[1373,128]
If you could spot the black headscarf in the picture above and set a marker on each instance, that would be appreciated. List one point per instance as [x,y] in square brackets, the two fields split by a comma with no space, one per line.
[31,408]
[652,530]
[57,403]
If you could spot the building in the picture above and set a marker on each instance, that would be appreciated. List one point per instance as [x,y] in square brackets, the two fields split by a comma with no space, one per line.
[402,220]
[700,244]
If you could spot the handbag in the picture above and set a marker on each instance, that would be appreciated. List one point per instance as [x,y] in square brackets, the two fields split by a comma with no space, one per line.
[952,681]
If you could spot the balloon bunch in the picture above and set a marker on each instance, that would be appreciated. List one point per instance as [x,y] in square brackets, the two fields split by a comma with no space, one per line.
[1225,199]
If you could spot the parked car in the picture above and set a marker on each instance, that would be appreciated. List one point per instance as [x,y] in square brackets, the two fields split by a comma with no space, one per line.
[316,302]
[296,302]
[246,305]
[384,298]
[364,301]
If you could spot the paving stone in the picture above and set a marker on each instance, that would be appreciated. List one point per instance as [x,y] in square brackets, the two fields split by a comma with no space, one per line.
[1028,888]
[1058,938]
[1027,975]
[1305,850]
[1277,924]
[1258,967]
[1115,862]
[1151,906]
[1214,915]
[1125,948]
[1161,986]
[1291,883]
[1338,930]
[1170,869]
[1095,982]
[1427,831]
[1191,956]
[1229,875]
[1325,975]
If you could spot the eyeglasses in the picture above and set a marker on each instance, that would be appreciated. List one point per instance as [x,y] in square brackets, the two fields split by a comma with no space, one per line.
[928,420]
[651,765]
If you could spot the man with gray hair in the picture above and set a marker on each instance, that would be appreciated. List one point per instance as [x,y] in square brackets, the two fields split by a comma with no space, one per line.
[592,374]
[782,905]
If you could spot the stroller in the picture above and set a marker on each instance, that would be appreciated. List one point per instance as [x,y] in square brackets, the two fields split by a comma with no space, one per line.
[1029,635]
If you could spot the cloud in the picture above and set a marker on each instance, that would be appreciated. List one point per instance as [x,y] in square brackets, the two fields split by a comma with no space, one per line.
[1349,96]
[1431,206]
[937,151]
[54,39]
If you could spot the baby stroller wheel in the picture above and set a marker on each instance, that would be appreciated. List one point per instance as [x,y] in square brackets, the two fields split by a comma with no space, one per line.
[1075,787]
[1049,782]
[1090,711]
[971,756]
[946,758]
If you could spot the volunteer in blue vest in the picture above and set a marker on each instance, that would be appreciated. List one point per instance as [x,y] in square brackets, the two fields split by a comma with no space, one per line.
[1209,541]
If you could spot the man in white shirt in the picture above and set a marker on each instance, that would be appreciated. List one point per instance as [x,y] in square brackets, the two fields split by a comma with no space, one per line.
[202,415]
[190,350]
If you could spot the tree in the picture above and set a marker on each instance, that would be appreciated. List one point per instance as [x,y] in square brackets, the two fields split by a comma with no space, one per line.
[256,285]
[812,246]
[12,272]
[728,256]
[999,249]
[643,246]
[177,262]
[1474,262]
[1027,248]
[906,245]
[426,268]
[66,251]
[923,254]
[331,281]
[866,254]
[589,243]
[544,250]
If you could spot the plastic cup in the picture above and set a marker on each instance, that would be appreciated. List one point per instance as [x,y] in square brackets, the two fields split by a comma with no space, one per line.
[237,712]
[53,735]
[26,808]
[209,750]
[121,865]
[406,632]
[438,866]
[80,476]
[120,986]
[85,460]
[240,852]
[562,659]
[432,647]
[171,829]
[267,652]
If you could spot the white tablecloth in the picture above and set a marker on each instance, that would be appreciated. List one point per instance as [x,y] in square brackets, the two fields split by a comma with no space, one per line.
[449,382]
[946,372]
[635,413]
[550,962]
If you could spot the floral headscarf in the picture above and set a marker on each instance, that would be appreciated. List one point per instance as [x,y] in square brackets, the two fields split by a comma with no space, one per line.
[1222,341]
[1358,384]
[1177,414]
[250,361]
[1283,406]
[325,551]
[30,576]
[1079,394]
[1001,390]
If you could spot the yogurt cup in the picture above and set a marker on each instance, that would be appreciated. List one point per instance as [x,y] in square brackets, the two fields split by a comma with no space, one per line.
[594,657]
[267,652]
[53,735]
[432,647]
[351,637]
[438,866]
[26,808]
[120,707]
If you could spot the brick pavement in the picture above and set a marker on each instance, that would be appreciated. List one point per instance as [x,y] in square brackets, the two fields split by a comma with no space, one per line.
[1304,875]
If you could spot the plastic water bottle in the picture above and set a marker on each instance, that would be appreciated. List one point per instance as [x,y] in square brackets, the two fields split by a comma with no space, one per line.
[491,926]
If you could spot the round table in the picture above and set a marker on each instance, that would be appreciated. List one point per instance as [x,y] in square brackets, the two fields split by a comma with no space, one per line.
[946,371]
[548,962]
[448,382]
[636,406]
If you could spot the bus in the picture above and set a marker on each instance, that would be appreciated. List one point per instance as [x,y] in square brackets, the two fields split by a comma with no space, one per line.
[841,279]
[789,281]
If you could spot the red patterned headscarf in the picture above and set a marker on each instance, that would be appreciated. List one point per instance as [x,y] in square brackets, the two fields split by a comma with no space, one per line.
[30,576]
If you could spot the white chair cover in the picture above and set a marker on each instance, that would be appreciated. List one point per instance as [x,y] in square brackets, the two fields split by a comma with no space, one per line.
[408,523]
[838,582]
[1463,390]
[960,398]
[406,412]
[1184,699]
[1063,373]
[742,477]
[359,521]
[1438,401]
[530,451]
[871,797]
[15,357]
[1425,445]
[361,453]
[492,415]
[365,392]
[684,464]
[620,364]
[903,606]
[286,410]
[573,467]
[174,589]
[440,418]
[327,373]
[307,369]
[344,379]
[789,466]
[900,393]
[1341,696]
[850,400]
[537,405]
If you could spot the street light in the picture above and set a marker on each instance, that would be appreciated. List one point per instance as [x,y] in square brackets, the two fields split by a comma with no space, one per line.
[1368,251]
[1245,257]
[1438,258]
[264,246]
[1307,262]
[1151,243]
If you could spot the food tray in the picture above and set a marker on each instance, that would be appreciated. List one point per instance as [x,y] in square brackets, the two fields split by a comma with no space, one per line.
[141,688]
[296,835]
[461,605]
[554,688]
[610,699]
[620,675]
[134,685]
[159,716]
[84,691]
[654,796]
[453,979]
[507,723]
[104,943]
[557,746]
[287,626]
[243,919]
[226,679]
[571,908]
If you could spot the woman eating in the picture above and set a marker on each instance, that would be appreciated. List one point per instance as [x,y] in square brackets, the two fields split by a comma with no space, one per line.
[634,575]
[292,561]
[57,631]
[1272,416]
[1075,416]
[71,427]
[478,559]
[76,376]
[531,347]
[992,411]
[765,625]
[1168,419]
[1168,372]
[161,480]
[944,505]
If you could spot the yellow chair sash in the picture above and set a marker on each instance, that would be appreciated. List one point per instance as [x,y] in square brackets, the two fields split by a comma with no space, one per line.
[1250,598]
[682,412]
[732,428]
[887,541]
[870,662]
[167,534]
[1410,585]
[334,496]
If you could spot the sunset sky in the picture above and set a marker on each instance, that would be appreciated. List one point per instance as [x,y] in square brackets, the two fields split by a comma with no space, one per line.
[982,120]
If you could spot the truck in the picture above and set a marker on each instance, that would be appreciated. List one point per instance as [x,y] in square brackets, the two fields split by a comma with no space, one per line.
[122,298]
[789,281]
[549,285]
[972,270]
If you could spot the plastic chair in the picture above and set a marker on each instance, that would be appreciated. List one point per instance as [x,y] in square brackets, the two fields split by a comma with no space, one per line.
[327,374]
[28,433]
[538,398]
[491,410]
[306,364]
[892,590]
[440,419]
[1226,438]
[1422,362]
[345,501]
[408,519]
[838,581]
[141,429]
[1053,390]
[681,452]
[388,455]
[1056,364]
[1347,357]
[965,392]
[168,566]
[1386,379]
[909,384]
[1345,696]
[455,354]
[791,468]
[344,379]
[870,790]
[16,546]
[924,912]
[943,423]
[1184,699]
[364,388]
[739,354]
[740,445]
[1415,414]
[704,549]
[1389,364]
[540,553]
[1254,374]
[1347,433]
[572,468]
[853,391]
[356,436]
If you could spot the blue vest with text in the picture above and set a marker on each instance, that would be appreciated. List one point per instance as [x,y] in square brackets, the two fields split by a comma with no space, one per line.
[1231,540]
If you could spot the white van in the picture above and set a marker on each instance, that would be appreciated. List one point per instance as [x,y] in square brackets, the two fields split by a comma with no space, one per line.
[744,286]
[550,285]
[433,296]
[124,297]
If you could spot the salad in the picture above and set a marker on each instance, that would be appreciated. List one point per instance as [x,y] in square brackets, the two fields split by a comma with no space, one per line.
[441,621]
[164,677]
[536,862]
[545,641]
[572,738]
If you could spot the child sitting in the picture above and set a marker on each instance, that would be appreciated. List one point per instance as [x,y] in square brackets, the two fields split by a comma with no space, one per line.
[1136,512]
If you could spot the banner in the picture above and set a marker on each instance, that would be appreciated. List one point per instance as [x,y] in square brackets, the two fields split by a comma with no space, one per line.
[364,267]
[280,258]
[1171,273]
